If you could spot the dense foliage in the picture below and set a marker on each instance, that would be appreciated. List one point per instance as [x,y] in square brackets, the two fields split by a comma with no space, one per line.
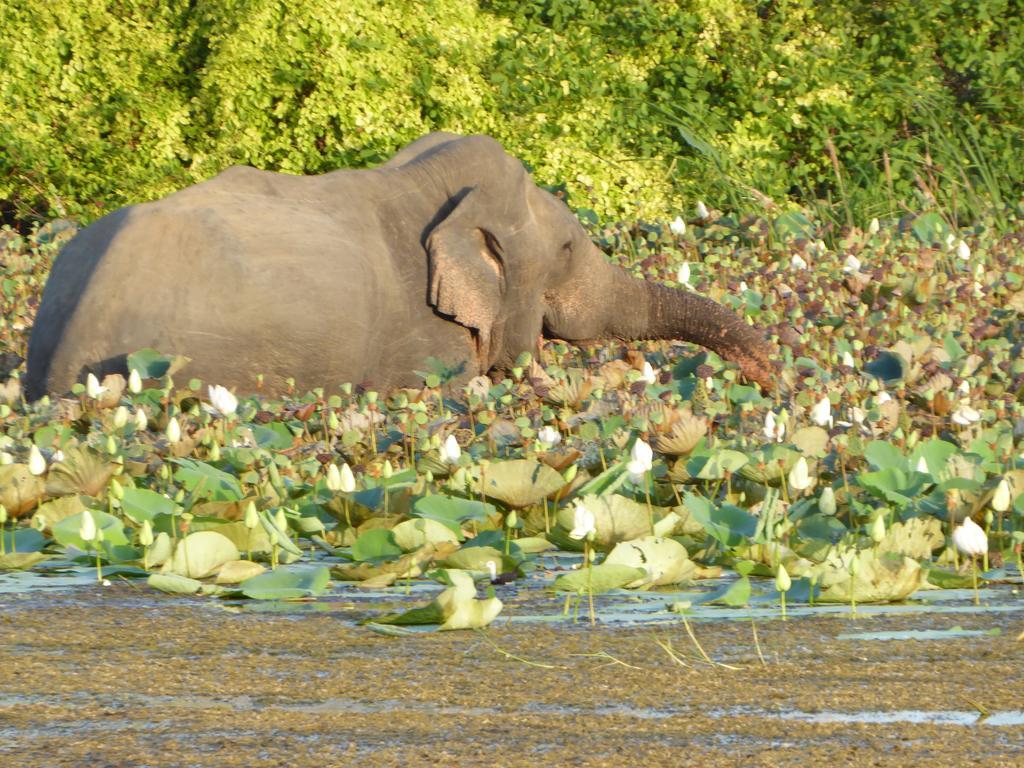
[853,109]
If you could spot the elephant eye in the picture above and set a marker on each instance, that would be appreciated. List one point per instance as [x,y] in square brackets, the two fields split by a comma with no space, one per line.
[567,248]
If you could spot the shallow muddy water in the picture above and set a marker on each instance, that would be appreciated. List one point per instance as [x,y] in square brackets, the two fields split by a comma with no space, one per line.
[124,676]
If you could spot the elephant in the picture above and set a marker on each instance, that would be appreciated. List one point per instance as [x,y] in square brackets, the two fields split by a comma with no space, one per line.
[267,280]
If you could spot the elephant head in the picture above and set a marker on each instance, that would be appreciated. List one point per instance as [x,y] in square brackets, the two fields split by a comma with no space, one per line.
[510,262]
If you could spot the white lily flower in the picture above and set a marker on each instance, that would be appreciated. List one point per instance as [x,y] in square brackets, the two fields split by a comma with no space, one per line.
[963,250]
[876,529]
[882,397]
[642,454]
[798,262]
[965,416]
[648,376]
[851,264]
[141,422]
[583,522]
[950,240]
[683,275]
[743,286]
[774,428]
[450,451]
[799,476]
[702,210]
[847,359]
[87,528]
[134,382]
[36,462]
[678,226]
[821,413]
[964,388]
[970,538]
[222,400]
[120,417]
[549,437]
[922,466]
[873,227]
[1001,497]
[93,388]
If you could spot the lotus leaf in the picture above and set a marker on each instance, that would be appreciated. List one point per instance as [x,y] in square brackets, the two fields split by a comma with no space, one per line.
[174,584]
[517,483]
[206,481]
[599,578]
[288,583]
[413,534]
[407,567]
[916,538]
[160,551]
[52,512]
[141,504]
[237,571]
[200,554]
[879,577]
[616,519]
[728,524]
[452,511]
[665,561]
[376,544]
[82,470]
[20,490]
[476,559]
[770,464]
[66,531]
[21,561]
[716,465]
[812,441]
[22,540]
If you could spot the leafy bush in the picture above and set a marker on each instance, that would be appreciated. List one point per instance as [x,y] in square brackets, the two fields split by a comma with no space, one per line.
[855,109]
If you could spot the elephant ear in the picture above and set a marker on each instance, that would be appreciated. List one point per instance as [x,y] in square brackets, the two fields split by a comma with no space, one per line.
[467,271]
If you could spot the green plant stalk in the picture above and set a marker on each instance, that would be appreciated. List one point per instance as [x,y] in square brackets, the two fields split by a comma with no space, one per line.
[782,604]
[99,567]
[974,579]
[590,583]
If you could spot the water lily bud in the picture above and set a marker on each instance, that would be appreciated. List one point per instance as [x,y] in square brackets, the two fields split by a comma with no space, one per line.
[87,528]
[120,417]
[3,514]
[280,520]
[782,580]
[799,476]
[847,359]
[111,445]
[873,227]
[273,537]
[333,478]
[214,451]
[173,431]
[492,569]
[876,529]
[511,519]
[141,422]
[146,534]
[179,497]
[989,518]
[333,423]
[116,489]
[570,472]
[92,387]
[134,382]
[5,458]
[827,501]
[648,376]
[36,462]
[702,210]
[963,251]
[348,480]
[251,518]
[371,397]
[641,455]
[428,477]
[387,470]
[1001,497]
[798,262]
[678,227]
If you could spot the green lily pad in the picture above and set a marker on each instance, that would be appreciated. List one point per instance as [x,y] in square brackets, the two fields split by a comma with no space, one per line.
[65,532]
[207,481]
[598,579]
[174,584]
[729,524]
[287,583]
[376,544]
[141,504]
[452,511]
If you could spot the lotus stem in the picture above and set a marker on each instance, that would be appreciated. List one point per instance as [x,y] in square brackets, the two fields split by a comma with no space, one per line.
[782,604]
[974,579]
[647,495]
[590,583]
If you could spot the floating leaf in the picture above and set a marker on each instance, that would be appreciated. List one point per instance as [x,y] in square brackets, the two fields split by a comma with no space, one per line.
[599,578]
[729,524]
[616,519]
[207,481]
[452,511]
[237,571]
[65,532]
[878,578]
[413,534]
[141,504]
[287,583]
[376,544]
[174,584]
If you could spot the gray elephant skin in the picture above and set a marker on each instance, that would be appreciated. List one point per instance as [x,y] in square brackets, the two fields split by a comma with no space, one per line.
[448,250]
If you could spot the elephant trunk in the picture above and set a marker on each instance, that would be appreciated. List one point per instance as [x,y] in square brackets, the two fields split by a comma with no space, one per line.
[645,310]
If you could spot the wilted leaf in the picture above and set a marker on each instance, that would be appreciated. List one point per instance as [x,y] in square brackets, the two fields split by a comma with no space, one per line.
[20,490]
[201,554]
[664,560]
[518,483]
[598,579]
[82,470]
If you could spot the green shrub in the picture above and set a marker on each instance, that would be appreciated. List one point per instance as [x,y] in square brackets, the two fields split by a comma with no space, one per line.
[638,107]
